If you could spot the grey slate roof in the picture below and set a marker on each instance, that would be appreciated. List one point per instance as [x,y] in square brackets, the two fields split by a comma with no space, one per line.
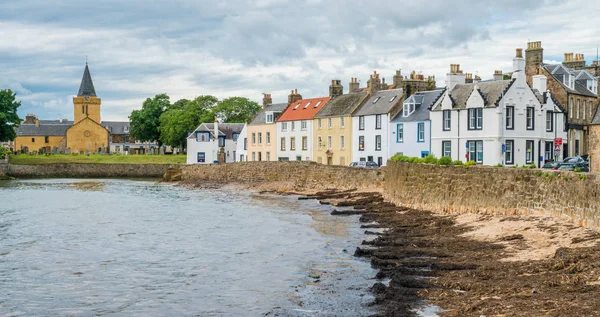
[557,72]
[491,91]
[261,117]
[116,127]
[226,129]
[87,86]
[425,100]
[43,129]
[382,105]
[343,105]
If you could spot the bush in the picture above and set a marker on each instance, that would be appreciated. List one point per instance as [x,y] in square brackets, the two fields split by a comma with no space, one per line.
[499,165]
[582,177]
[538,173]
[457,162]
[445,160]
[430,159]
[470,163]
[532,165]
[4,151]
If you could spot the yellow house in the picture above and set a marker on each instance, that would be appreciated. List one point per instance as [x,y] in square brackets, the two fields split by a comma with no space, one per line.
[262,132]
[333,126]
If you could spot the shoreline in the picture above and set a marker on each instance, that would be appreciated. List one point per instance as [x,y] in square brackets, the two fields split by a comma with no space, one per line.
[469,264]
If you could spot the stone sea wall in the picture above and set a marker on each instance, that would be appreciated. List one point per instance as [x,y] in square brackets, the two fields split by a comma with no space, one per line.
[86,170]
[492,190]
[290,175]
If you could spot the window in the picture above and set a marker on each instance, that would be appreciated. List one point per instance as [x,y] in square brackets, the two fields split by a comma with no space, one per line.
[424,154]
[283,144]
[259,138]
[200,137]
[577,108]
[82,109]
[510,117]
[576,147]
[590,106]
[268,156]
[421,132]
[361,122]
[529,152]
[329,142]
[284,126]
[475,151]
[293,125]
[508,152]
[268,137]
[329,123]
[342,142]
[292,144]
[583,112]
[408,108]
[235,136]
[254,156]
[447,148]
[118,148]
[549,121]
[530,118]
[304,143]
[297,105]
[475,118]
[270,117]
[548,150]
[377,121]
[245,143]
[342,122]
[205,135]
[378,143]
[361,143]
[447,120]
[319,123]
[571,108]
[318,103]
[400,133]
[319,142]
[126,129]
[32,140]
[253,138]
[376,99]
[46,139]
[393,98]
[303,125]
[307,104]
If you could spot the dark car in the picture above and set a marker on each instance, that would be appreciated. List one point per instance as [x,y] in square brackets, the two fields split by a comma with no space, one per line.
[552,165]
[573,160]
[572,166]
[364,164]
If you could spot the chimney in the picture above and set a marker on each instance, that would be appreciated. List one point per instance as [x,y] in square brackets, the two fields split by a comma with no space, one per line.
[37,122]
[30,119]
[294,96]
[540,83]
[468,78]
[575,63]
[267,100]
[498,75]
[519,61]
[477,79]
[534,58]
[383,84]
[397,80]
[455,76]
[336,88]
[373,84]
[354,84]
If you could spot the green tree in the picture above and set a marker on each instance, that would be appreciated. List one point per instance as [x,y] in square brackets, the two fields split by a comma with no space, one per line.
[236,110]
[146,121]
[179,104]
[9,119]
[176,123]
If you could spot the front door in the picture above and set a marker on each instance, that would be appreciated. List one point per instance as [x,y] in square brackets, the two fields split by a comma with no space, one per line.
[329,160]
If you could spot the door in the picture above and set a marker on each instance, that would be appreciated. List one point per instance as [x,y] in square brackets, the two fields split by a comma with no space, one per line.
[259,156]
[380,161]
[329,160]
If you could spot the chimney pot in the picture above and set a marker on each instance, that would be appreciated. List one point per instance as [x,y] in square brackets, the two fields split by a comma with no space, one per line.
[519,53]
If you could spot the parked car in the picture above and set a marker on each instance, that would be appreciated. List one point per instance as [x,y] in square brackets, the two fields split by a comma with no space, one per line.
[572,166]
[573,160]
[552,165]
[363,164]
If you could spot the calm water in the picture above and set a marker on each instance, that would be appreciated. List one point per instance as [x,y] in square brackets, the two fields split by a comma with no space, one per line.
[137,248]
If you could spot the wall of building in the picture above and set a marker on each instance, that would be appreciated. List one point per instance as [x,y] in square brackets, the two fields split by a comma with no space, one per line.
[492,190]
[297,133]
[34,143]
[338,155]
[87,135]
[410,146]
[93,108]
[594,148]
[87,170]
[264,147]
[369,134]
[241,148]
[288,175]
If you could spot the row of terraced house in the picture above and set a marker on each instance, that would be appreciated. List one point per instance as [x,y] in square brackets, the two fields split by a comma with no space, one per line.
[534,113]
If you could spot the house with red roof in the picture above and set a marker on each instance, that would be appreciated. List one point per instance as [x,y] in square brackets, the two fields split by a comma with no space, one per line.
[295,128]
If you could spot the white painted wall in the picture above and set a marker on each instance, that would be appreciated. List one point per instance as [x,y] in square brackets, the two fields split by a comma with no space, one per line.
[241,154]
[410,146]
[369,133]
[298,133]
[210,149]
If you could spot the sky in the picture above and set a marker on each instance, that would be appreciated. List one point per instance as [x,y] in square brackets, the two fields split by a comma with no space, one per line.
[137,49]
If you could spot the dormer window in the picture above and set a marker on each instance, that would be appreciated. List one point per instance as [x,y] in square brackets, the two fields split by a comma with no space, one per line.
[270,117]
[409,107]
[592,85]
[126,129]
[569,81]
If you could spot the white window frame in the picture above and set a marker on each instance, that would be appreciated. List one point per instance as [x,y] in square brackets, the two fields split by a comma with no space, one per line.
[284,127]
[530,118]
[319,142]
[342,142]
[378,122]
[578,102]
[329,142]
[549,121]
[378,143]
[361,123]
[509,146]
[475,117]
[271,119]
[447,115]
[319,123]
[293,143]
[400,133]
[253,138]
[303,125]
[329,123]
[304,143]
[447,151]
[268,136]
[293,126]
[510,117]
[342,122]
[282,145]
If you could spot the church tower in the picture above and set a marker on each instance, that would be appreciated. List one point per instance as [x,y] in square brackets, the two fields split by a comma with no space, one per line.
[86,104]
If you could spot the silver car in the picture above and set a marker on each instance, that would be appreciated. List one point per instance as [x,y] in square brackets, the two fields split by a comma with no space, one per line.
[363,164]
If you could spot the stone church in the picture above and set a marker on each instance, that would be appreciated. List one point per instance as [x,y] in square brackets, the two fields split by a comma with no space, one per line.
[85,134]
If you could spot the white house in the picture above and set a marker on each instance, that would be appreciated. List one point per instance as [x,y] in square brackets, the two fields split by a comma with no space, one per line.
[371,126]
[295,129]
[204,143]
[411,128]
[241,151]
[496,122]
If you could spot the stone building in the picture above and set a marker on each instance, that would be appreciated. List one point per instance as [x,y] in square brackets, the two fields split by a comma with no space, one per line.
[573,87]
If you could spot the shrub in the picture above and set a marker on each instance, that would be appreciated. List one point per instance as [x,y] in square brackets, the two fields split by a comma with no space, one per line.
[470,163]
[582,177]
[577,170]
[532,165]
[445,160]
[499,165]
[457,162]
[4,151]
[538,173]
[430,159]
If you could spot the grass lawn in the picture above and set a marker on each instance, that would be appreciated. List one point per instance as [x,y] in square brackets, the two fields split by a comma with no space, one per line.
[26,159]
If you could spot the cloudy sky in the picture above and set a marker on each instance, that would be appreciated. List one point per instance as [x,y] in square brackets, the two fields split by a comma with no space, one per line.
[137,49]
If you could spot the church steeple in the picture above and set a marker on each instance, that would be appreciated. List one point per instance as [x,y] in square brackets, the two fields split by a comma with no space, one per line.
[87,86]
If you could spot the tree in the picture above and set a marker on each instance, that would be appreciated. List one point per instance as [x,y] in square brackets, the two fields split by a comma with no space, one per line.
[9,119]
[146,121]
[179,104]
[236,110]
[177,122]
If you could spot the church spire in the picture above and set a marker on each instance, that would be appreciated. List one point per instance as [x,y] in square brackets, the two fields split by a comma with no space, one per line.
[87,87]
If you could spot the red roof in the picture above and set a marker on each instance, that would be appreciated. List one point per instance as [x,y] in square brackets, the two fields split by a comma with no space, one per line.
[304,109]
